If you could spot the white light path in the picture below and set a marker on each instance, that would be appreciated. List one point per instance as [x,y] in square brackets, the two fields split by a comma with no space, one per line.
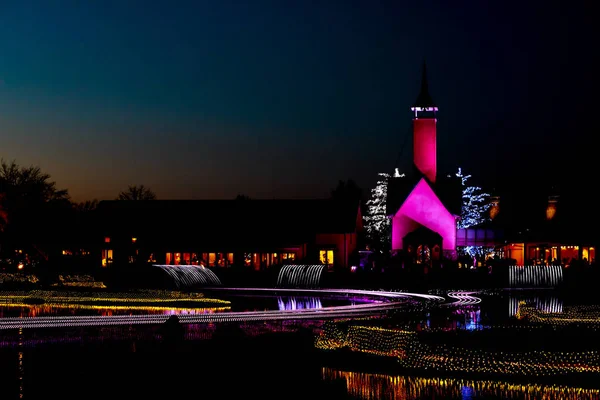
[270,315]
[463,298]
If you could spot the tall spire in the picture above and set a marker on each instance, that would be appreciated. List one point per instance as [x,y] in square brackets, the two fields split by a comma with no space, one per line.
[424,99]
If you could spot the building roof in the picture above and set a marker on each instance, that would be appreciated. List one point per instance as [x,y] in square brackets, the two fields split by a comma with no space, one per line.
[447,188]
[227,222]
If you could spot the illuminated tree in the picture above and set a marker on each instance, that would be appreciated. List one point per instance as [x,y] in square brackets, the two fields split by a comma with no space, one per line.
[474,211]
[377,223]
[137,193]
[474,204]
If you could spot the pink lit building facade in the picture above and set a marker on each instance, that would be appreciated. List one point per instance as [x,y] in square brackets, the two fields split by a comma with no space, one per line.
[424,207]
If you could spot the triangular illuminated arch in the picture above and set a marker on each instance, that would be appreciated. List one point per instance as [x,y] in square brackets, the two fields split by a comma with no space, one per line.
[422,207]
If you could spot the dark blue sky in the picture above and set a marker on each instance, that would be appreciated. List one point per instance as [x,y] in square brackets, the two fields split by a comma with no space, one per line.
[207,99]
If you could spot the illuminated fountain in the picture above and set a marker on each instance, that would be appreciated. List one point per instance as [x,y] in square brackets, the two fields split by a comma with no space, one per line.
[300,276]
[535,275]
[190,275]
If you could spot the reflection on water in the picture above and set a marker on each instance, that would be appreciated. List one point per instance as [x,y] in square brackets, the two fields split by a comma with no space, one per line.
[41,310]
[547,304]
[299,303]
[471,319]
[388,387]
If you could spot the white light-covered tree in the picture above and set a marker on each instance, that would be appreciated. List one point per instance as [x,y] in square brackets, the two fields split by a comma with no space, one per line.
[474,203]
[474,211]
[377,222]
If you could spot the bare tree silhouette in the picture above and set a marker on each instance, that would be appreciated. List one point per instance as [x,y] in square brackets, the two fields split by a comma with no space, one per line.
[137,193]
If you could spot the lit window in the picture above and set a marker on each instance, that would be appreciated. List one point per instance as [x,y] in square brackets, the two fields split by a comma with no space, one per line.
[256,261]
[107,257]
[211,259]
[133,240]
[229,258]
[107,240]
[326,257]
[288,257]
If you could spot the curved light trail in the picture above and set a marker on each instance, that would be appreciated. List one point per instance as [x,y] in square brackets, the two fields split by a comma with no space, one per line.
[463,298]
[270,315]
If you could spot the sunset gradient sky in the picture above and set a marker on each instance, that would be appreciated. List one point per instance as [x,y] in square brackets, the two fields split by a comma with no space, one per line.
[208,99]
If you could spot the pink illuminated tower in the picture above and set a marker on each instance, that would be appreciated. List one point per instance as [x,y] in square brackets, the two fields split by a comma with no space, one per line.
[424,133]
[421,218]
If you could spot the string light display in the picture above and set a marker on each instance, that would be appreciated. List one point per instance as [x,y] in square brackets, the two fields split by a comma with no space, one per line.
[86,281]
[377,222]
[367,386]
[583,315]
[18,278]
[412,354]
[144,296]
[110,309]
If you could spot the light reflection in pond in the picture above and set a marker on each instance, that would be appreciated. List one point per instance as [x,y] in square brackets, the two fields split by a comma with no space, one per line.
[37,310]
[299,303]
[366,386]
[547,304]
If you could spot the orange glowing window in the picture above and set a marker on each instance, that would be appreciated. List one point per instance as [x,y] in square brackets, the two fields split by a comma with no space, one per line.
[107,257]
[256,261]
[326,257]
[229,258]
[211,259]
[133,240]
[107,240]
[288,257]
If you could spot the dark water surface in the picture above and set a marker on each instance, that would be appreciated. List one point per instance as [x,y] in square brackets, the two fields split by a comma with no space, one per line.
[265,359]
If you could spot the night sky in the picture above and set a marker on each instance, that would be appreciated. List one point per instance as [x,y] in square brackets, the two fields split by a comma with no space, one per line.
[208,99]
